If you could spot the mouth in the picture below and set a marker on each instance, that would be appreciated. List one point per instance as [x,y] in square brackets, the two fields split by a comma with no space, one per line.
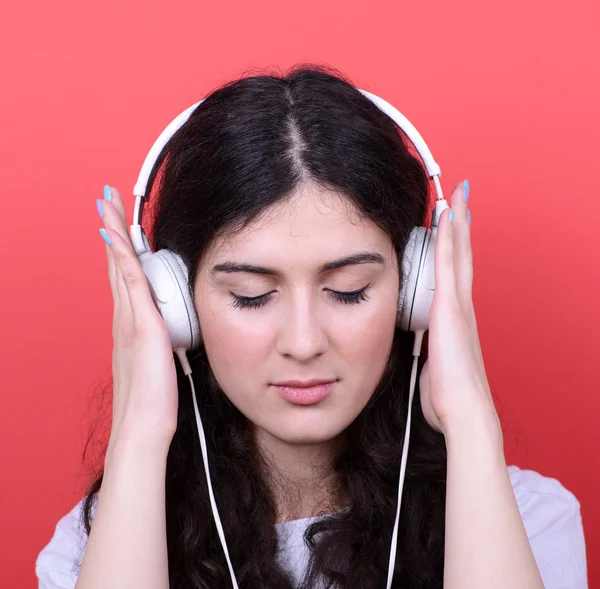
[306,392]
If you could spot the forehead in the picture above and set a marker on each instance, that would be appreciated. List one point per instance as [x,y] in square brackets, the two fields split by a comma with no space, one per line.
[313,225]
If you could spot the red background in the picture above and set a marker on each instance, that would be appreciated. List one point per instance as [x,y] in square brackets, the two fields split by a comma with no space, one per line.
[506,95]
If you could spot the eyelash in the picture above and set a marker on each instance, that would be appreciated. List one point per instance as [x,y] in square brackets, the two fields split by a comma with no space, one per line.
[345,298]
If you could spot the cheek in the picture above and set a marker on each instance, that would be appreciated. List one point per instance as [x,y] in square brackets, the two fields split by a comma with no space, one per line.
[365,345]
[237,353]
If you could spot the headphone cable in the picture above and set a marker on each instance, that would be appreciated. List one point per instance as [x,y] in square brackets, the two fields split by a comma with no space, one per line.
[188,372]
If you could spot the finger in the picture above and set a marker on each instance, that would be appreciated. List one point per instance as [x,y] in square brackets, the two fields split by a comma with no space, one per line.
[121,299]
[112,274]
[114,214]
[445,281]
[463,260]
[117,202]
[115,219]
[463,254]
[111,263]
[113,279]
[122,316]
[132,277]
[123,319]
[121,312]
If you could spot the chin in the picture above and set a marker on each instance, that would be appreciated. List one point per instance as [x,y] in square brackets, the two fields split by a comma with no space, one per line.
[298,428]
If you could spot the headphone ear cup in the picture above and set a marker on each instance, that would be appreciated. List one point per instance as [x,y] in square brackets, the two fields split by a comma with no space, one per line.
[418,287]
[168,275]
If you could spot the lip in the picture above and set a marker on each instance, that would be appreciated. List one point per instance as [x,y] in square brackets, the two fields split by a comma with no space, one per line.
[307,392]
[300,384]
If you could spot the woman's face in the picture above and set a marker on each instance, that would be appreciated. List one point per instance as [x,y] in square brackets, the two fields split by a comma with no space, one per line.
[299,329]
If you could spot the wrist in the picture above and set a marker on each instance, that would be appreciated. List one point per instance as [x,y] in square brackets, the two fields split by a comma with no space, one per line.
[141,441]
[475,426]
[134,464]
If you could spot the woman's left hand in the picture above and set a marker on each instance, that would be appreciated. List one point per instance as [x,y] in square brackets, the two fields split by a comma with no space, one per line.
[453,384]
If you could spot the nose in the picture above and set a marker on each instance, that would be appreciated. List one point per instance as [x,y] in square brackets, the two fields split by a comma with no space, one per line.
[303,333]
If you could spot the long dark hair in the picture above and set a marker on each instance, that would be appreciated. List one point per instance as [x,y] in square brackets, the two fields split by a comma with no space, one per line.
[246,147]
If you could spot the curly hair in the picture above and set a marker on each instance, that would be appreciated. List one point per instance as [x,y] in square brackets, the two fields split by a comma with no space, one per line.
[246,147]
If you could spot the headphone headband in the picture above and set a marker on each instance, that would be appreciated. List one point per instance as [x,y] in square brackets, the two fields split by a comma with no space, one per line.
[139,239]
[140,186]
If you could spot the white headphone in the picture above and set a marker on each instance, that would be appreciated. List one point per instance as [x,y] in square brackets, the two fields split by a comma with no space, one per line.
[168,274]
[168,278]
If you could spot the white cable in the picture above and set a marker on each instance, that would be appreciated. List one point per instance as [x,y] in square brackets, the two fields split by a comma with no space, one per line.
[413,380]
[186,367]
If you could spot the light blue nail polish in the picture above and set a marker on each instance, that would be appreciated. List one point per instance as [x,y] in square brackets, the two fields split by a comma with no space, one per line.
[107,195]
[99,207]
[469,216]
[466,190]
[451,216]
[105,235]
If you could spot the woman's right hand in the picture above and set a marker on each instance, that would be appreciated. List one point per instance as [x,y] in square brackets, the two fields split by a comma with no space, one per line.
[144,377]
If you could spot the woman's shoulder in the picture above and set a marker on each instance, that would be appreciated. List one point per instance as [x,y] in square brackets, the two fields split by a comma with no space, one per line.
[57,564]
[543,501]
[551,517]
[530,481]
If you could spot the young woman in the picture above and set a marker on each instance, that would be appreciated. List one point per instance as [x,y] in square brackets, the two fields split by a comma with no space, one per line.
[291,200]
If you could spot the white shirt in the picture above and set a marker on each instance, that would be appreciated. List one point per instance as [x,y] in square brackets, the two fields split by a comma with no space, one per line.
[551,516]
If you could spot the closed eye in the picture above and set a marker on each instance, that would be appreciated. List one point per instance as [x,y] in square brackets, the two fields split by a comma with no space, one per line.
[353,297]
[346,298]
[249,302]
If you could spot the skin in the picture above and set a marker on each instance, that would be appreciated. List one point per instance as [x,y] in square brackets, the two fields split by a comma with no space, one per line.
[301,332]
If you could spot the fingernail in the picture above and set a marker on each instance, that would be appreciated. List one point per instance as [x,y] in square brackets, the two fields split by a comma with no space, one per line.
[466,190]
[451,216]
[469,216]
[105,235]
[107,195]
[99,207]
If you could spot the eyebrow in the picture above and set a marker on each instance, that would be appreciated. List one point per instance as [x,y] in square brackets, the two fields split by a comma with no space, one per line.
[362,258]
